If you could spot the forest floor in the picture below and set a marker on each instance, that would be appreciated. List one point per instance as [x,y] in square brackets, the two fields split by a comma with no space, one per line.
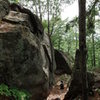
[56,92]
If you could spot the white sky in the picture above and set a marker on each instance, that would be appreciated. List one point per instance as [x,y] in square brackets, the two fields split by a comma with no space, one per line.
[70,11]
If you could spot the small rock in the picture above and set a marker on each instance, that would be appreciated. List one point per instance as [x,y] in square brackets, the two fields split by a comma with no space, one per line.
[57,99]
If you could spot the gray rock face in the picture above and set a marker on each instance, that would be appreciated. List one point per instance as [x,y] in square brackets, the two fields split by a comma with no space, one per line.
[25,60]
[35,24]
[4,8]
[63,63]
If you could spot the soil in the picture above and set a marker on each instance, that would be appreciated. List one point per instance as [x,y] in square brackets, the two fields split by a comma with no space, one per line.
[56,92]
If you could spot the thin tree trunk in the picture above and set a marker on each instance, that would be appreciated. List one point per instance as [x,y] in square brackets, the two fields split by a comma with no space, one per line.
[93,51]
[93,42]
[52,28]
[94,3]
[48,17]
[76,40]
[40,10]
[82,47]
[91,57]
[36,7]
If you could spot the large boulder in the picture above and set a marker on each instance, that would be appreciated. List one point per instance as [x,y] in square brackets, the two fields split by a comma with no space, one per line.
[25,59]
[4,8]
[64,63]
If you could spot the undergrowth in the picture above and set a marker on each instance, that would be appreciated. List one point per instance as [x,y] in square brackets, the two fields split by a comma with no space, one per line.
[14,92]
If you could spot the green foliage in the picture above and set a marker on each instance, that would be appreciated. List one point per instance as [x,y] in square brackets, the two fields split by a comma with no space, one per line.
[45,24]
[16,93]
[4,90]
[92,12]
[66,37]
[15,1]
[90,51]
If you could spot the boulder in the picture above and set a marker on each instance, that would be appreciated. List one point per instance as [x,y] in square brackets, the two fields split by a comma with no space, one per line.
[35,24]
[97,80]
[4,8]
[25,60]
[64,63]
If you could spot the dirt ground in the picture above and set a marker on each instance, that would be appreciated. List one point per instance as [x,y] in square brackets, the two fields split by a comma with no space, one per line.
[56,92]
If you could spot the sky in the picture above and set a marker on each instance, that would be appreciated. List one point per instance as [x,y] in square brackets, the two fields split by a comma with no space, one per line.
[70,11]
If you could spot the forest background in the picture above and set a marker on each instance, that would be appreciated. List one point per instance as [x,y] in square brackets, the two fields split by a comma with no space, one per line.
[64,31]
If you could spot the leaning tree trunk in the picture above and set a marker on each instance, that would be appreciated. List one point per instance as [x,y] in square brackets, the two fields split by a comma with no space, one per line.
[82,47]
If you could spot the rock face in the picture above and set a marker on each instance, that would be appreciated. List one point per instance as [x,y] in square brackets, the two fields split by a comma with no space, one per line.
[4,8]
[97,80]
[35,24]
[63,63]
[25,59]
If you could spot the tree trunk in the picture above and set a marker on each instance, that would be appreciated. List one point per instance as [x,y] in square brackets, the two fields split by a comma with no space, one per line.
[76,39]
[36,7]
[79,84]
[91,57]
[39,3]
[93,50]
[53,24]
[48,17]
[82,47]
[93,42]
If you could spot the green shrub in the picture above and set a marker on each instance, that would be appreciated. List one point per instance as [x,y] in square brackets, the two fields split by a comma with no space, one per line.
[16,93]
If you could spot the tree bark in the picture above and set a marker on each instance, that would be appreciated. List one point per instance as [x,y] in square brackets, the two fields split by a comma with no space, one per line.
[52,28]
[39,3]
[82,47]
[35,3]
[93,50]
[93,42]
[76,39]
[48,17]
